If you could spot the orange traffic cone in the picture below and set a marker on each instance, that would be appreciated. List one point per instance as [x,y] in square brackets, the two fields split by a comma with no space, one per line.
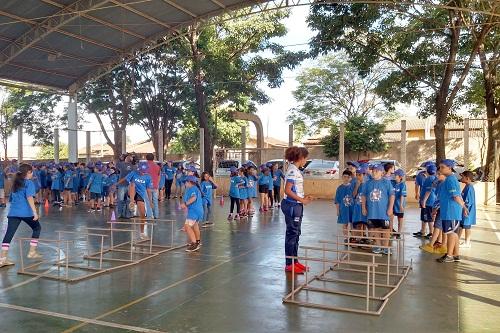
[46,203]
[221,202]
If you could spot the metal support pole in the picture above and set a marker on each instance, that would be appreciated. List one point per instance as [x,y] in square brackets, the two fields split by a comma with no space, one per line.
[290,135]
[56,145]
[202,149]
[19,143]
[159,134]
[466,143]
[341,146]
[124,141]
[243,144]
[403,144]
[72,129]
[89,149]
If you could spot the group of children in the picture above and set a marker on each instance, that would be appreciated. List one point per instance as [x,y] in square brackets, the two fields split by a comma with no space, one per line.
[246,182]
[371,197]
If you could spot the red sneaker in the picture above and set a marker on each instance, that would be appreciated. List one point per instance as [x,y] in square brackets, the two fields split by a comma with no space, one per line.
[302,267]
[297,269]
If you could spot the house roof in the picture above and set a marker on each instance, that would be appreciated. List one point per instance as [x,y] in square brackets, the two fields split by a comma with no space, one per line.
[61,44]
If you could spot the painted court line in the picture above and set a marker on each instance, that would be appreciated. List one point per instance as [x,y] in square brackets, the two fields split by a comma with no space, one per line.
[496,232]
[77,318]
[159,291]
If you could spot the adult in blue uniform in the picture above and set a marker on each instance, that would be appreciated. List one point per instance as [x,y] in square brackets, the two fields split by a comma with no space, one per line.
[169,179]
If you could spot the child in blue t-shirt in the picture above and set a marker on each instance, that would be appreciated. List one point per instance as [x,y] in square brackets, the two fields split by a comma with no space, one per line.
[56,186]
[378,202]
[140,191]
[264,180]
[207,189]
[193,202]
[170,175]
[452,210]
[278,176]
[358,219]
[112,183]
[344,202]
[75,197]
[68,185]
[252,188]
[180,177]
[469,197]
[95,187]
[270,186]
[243,190]
[161,184]
[428,198]
[399,199]
[234,193]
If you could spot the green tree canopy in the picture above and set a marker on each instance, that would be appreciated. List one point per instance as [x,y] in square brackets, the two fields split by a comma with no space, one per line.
[47,152]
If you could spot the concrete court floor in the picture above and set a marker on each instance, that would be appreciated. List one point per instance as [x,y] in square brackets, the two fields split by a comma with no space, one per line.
[236,283]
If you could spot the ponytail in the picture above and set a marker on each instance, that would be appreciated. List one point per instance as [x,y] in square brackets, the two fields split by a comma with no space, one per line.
[21,176]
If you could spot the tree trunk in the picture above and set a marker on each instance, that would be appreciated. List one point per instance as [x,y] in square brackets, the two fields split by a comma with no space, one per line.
[117,146]
[440,126]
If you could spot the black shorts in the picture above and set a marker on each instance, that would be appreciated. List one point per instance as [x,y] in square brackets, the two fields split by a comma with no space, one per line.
[264,189]
[95,196]
[378,224]
[426,214]
[355,225]
[399,215]
[137,197]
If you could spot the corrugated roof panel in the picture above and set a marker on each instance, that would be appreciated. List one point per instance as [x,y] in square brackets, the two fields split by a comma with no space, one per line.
[129,20]
[161,11]
[12,30]
[19,74]
[197,7]
[31,9]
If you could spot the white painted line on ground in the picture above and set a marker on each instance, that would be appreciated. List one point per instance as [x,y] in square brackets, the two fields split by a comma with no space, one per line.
[77,318]
[496,232]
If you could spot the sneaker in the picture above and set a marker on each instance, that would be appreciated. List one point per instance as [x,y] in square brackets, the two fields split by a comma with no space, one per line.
[417,234]
[376,250]
[91,210]
[456,258]
[428,236]
[387,252]
[236,217]
[192,247]
[296,268]
[230,217]
[446,258]
[6,262]
[302,267]
[427,248]
[465,245]
[98,209]
[207,224]
[198,242]
[261,209]
[34,255]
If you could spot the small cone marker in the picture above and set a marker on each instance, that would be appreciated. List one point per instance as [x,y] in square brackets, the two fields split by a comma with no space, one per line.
[46,203]
[221,202]
[113,216]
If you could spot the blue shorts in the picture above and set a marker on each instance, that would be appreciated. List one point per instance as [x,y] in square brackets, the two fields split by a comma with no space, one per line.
[465,226]
[438,224]
[450,226]
[357,224]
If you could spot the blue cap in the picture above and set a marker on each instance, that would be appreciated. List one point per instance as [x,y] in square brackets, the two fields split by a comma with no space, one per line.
[191,179]
[263,168]
[191,168]
[269,164]
[449,163]
[361,170]
[378,167]
[431,169]
[399,172]
[143,166]
[233,169]
[353,163]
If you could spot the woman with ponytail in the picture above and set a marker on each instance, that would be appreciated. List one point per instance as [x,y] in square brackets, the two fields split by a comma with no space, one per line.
[22,208]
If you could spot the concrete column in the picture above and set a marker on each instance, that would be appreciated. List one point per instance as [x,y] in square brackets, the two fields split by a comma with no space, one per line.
[56,145]
[202,149]
[19,143]
[290,135]
[341,147]
[403,144]
[159,134]
[88,152]
[124,141]
[466,143]
[243,144]
[72,129]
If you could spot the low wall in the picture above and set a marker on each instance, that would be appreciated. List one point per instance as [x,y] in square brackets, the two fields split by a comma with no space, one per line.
[325,189]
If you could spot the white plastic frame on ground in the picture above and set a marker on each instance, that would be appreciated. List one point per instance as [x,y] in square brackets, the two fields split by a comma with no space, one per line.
[344,262]
[137,251]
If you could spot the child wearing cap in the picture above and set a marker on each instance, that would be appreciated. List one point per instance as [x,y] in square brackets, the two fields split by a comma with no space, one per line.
[68,185]
[234,193]
[161,184]
[75,197]
[179,181]
[419,195]
[270,186]
[264,180]
[169,171]
[469,197]
[344,202]
[277,177]
[378,202]
[358,219]
[252,188]
[56,186]
[452,209]
[243,190]
[193,202]
[140,191]
[399,199]
[95,188]
[428,199]
[207,189]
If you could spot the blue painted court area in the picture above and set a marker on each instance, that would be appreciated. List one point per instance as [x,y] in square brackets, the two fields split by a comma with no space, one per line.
[236,282]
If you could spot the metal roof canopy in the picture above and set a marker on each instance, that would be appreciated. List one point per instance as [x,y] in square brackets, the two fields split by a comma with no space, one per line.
[62,44]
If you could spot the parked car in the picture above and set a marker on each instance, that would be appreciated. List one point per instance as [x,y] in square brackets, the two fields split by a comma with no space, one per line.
[322,169]
[224,166]
[396,164]
[185,164]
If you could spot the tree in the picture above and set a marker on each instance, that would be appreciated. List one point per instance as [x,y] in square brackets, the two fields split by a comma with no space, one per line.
[225,61]
[333,92]
[428,51]
[47,152]
[36,112]
[7,125]
[111,98]
[361,135]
